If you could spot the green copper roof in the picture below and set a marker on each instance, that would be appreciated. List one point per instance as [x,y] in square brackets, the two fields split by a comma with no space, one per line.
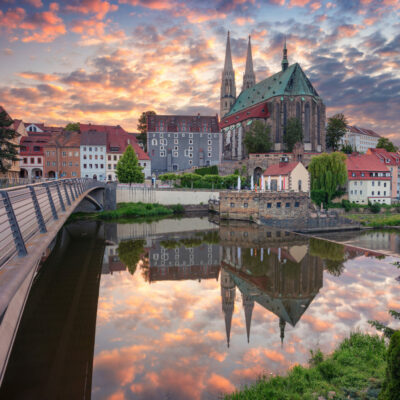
[291,82]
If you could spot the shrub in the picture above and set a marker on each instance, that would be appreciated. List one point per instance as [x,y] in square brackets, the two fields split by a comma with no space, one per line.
[178,209]
[375,208]
[391,385]
[212,170]
[346,205]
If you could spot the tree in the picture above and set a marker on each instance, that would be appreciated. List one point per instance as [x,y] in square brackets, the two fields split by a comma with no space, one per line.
[294,133]
[8,150]
[213,179]
[130,252]
[347,149]
[128,168]
[257,139]
[73,126]
[335,130]
[189,178]
[328,172]
[142,128]
[385,143]
[169,176]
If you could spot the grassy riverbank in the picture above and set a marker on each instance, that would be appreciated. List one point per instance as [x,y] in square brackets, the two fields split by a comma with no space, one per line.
[132,210]
[376,220]
[355,370]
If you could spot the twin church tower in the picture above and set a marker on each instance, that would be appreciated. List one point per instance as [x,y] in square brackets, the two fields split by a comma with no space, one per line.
[274,100]
[228,85]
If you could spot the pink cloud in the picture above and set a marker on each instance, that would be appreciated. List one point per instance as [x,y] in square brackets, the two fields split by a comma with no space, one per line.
[35,3]
[12,18]
[218,383]
[98,7]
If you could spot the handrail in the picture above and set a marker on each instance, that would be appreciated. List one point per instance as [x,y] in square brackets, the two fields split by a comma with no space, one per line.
[27,210]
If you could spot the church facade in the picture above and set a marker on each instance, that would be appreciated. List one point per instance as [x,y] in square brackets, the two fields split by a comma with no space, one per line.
[284,95]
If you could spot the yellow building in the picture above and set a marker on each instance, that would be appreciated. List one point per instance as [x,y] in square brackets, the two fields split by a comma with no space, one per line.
[14,170]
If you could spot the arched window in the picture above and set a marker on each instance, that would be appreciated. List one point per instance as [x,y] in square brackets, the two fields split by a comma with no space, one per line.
[307,123]
[154,142]
[299,185]
[277,123]
[298,111]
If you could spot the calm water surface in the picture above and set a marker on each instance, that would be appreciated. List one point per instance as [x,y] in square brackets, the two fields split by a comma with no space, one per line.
[185,309]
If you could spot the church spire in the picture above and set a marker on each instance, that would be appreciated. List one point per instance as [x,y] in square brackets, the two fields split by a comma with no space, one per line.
[248,305]
[285,62]
[228,292]
[249,78]
[228,86]
[282,325]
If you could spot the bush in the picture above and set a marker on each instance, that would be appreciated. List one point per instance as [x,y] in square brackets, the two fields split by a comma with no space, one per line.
[375,208]
[318,196]
[212,170]
[346,205]
[177,209]
[391,385]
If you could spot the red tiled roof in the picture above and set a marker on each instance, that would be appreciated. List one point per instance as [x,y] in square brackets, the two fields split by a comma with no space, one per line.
[281,168]
[362,131]
[384,156]
[93,138]
[102,128]
[365,162]
[121,141]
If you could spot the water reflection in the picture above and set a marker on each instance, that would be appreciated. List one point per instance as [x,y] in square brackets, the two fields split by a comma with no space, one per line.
[190,310]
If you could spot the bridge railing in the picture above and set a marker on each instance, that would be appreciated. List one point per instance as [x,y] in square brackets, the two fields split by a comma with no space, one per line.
[27,210]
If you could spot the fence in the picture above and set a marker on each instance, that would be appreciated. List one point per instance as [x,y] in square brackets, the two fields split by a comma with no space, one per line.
[27,210]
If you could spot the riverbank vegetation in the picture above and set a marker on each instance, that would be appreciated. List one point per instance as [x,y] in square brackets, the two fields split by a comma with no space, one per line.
[376,220]
[356,369]
[133,210]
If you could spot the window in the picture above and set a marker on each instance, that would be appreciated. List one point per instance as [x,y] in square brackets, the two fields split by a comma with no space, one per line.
[176,148]
[287,205]
[90,156]
[101,166]
[190,155]
[384,193]
[48,163]
[95,149]
[190,148]
[84,166]
[384,184]
[175,154]
[84,149]
[64,153]
[47,153]
[101,157]
[115,158]
[379,193]
[64,163]
[76,154]
[209,155]
[353,174]
[232,205]
[90,166]
[209,142]
[360,191]
[109,166]
[245,205]
[278,205]
[90,149]
[269,205]
[190,162]
[95,157]
[162,153]
[297,204]
[70,154]
[73,174]
[36,148]
[54,163]
[355,183]
[32,160]
[109,158]
[351,192]
[190,141]
[84,156]
[373,193]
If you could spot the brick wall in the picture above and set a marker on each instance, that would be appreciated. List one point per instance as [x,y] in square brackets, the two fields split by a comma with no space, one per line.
[275,205]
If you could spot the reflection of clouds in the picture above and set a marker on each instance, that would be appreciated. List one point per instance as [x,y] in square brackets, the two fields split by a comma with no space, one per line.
[168,339]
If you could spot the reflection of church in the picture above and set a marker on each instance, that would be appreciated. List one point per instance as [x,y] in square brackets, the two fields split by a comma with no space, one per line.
[284,280]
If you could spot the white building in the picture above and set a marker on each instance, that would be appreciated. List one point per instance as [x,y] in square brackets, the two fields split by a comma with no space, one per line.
[116,146]
[360,139]
[93,155]
[369,180]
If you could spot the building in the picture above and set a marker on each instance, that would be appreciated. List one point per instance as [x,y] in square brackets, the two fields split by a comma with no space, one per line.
[116,146]
[62,155]
[392,161]
[32,154]
[13,171]
[369,180]
[286,94]
[93,151]
[360,139]
[287,176]
[180,142]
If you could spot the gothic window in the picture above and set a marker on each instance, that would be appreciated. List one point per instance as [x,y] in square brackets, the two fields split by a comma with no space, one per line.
[284,118]
[318,125]
[298,111]
[277,123]
[307,123]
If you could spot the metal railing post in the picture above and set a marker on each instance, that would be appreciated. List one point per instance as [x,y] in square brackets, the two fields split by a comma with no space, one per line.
[12,219]
[76,191]
[53,208]
[60,197]
[72,191]
[66,193]
[38,211]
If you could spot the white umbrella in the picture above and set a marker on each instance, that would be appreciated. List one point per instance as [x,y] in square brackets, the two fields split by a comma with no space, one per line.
[262,183]
[239,183]
[280,182]
[269,182]
[252,183]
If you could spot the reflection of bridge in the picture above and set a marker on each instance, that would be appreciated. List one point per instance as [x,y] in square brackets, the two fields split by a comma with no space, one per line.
[30,218]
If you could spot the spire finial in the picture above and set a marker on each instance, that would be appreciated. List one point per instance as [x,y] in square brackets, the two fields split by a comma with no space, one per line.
[249,78]
[282,325]
[285,62]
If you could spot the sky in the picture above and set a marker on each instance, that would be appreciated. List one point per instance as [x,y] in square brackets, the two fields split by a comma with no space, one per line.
[105,61]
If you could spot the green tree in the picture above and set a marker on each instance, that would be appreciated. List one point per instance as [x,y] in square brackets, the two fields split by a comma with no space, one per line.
[169,176]
[328,172]
[335,130]
[142,127]
[230,180]
[258,138]
[130,252]
[391,385]
[73,126]
[213,180]
[294,133]
[8,150]
[189,178]
[385,143]
[128,168]
[347,149]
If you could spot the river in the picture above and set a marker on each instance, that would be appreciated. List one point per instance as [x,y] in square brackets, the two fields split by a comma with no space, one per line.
[186,309]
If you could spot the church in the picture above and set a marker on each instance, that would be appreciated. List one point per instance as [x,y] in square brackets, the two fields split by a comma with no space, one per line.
[286,94]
